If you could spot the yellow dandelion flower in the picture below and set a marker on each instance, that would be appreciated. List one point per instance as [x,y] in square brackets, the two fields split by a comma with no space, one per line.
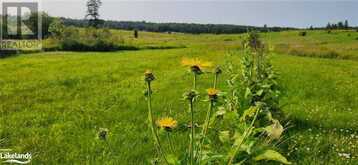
[196,63]
[167,123]
[213,93]
[148,76]
[148,72]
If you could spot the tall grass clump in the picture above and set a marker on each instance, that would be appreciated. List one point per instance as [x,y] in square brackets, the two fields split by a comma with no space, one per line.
[302,33]
[91,39]
[83,39]
[235,129]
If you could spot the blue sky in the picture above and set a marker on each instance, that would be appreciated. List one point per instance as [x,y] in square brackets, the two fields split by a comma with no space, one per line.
[291,13]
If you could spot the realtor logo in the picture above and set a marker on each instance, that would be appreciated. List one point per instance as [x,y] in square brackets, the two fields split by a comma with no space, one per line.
[20,26]
[6,156]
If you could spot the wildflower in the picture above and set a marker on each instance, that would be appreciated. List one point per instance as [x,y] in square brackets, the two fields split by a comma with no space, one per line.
[217,70]
[196,69]
[148,76]
[196,65]
[213,93]
[103,133]
[190,95]
[167,123]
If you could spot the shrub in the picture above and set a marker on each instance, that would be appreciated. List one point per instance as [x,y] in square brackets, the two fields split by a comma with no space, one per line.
[56,28]
[135,33]
[89,39]
[303,33]
[50,44]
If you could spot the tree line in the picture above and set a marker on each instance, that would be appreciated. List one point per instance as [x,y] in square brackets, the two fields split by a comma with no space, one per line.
[174,27]
[338,25]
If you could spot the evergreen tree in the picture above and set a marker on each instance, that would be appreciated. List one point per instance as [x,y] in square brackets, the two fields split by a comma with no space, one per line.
[93,13]
[340,25]
[265,28]
[329,26]
[346,25]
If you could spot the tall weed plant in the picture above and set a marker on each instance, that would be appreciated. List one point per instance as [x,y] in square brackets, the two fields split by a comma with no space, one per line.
[236,129]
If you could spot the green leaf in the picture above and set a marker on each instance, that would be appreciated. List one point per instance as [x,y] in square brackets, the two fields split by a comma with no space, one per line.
[224,136]
[172,159]
[247,146]
[272,155]
[220,112]
[231,116]
[260,92]
[238,138]
[209,157]
[249,113]
[247,93]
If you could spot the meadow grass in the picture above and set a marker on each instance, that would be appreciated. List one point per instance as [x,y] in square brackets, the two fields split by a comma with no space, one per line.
[53,104]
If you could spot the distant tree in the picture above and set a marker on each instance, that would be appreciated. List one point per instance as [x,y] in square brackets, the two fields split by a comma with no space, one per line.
[334,26]
[57,28]
[265,28]
[329,26]
[93,13]
[340,25]
[311,27]
[346,25]
[135,33]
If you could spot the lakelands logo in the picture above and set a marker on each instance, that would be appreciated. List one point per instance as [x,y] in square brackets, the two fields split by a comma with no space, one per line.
[20,25]
[19,158]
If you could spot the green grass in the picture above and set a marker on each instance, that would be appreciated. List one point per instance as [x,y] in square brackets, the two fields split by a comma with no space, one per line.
[52,104]
[341,44]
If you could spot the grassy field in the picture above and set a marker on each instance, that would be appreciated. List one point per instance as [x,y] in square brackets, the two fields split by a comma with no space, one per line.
[53,104]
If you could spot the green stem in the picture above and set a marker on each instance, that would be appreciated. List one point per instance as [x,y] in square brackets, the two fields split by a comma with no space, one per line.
[152,124]
[207,119]
[192,133]
[194,82]
[170,142]
[206,126]
[246,134]
[215,80]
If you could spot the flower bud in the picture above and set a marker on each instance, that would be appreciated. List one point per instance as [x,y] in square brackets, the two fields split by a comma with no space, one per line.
[148,76]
